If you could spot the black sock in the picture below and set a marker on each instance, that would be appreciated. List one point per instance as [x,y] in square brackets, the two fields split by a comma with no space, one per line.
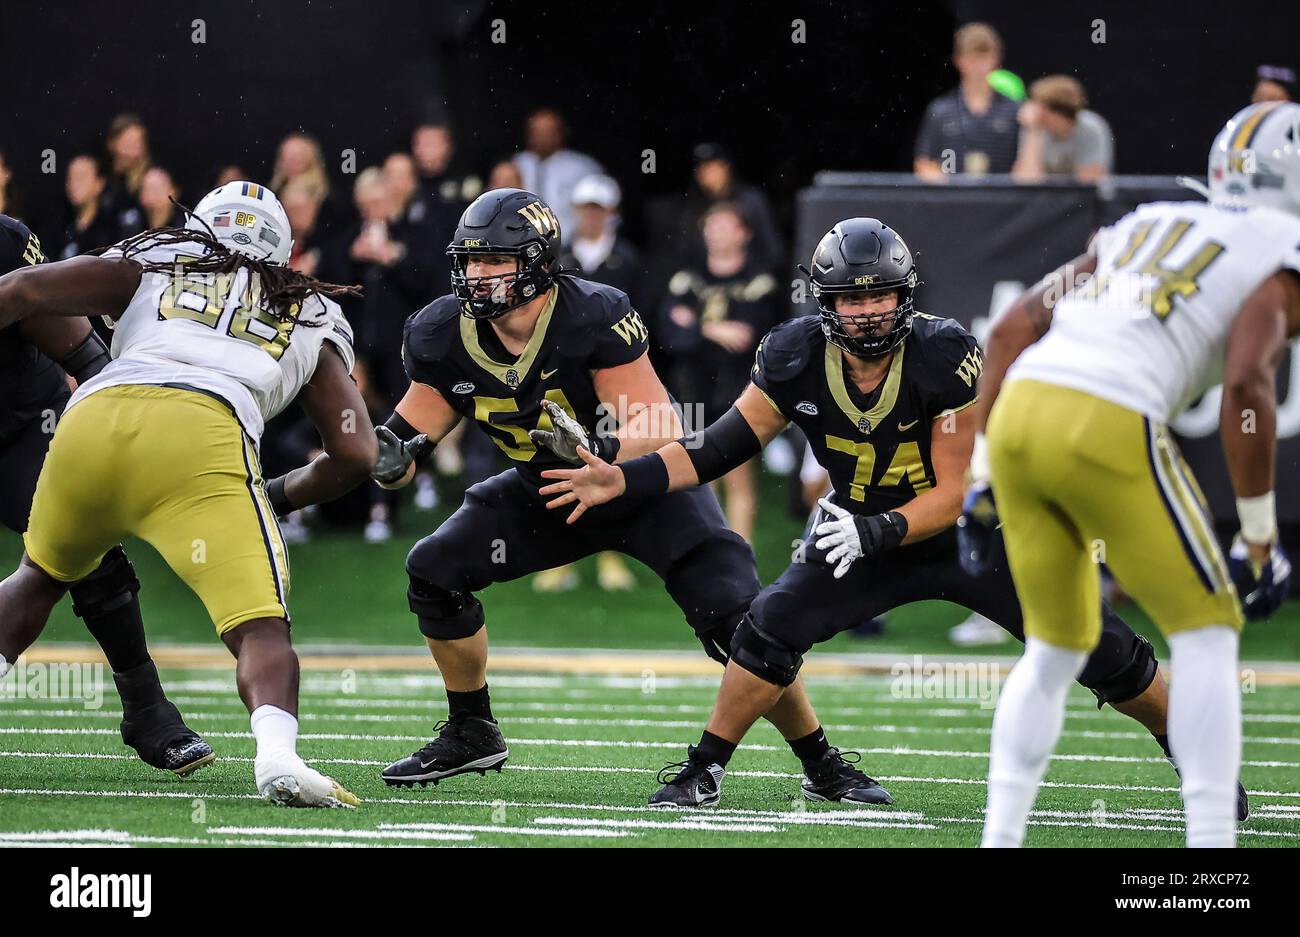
[474,703]
[811,747]
[714,749]
[1164,743]
[120,632]
[138,687]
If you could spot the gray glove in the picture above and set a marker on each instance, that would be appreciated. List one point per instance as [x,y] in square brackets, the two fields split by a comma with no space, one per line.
[395,456]
[568,435]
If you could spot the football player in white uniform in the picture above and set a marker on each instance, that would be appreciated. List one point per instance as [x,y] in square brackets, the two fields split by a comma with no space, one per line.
[213,336]
[1179,297]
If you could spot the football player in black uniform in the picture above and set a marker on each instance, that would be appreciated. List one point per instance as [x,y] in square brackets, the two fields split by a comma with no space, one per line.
[883,394]
[516,334]
[34,356]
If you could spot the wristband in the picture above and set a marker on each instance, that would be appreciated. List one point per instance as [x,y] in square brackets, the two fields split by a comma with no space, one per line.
[1258,517]
[606,447]
[87,360]
[645,476]
[280,503]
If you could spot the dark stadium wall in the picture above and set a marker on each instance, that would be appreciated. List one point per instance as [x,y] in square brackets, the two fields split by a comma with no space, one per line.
[629,76]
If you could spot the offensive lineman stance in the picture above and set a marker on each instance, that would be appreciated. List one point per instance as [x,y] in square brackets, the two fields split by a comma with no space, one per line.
[214,335]
[883,394]
[516,333]
[33,393]
[1080,452]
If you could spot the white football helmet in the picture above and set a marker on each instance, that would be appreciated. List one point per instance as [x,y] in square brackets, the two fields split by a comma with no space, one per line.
[1255,159]
[245,217]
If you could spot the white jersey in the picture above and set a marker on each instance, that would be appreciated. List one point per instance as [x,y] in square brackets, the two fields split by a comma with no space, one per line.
[213,333]
[1147,330]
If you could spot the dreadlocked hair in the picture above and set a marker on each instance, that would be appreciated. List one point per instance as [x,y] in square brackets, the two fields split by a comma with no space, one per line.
[283,290]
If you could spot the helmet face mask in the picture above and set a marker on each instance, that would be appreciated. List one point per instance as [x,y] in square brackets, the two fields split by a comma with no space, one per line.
[500,225]
[862,256]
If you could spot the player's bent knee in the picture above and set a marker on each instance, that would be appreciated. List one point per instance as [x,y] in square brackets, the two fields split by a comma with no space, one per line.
[111,586]
[1121,666]
[444,615]
[764,656]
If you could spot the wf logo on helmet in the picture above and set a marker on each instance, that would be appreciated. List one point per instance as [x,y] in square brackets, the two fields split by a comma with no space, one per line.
[541,217]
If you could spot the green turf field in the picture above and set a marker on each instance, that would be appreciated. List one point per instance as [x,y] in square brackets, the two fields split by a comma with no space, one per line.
[584,754]
[586,747]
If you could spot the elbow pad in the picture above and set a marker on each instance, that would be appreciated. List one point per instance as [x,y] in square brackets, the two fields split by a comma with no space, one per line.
[729,443]
[88,359]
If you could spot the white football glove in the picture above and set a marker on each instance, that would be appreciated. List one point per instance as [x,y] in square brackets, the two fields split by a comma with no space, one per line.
[851,536]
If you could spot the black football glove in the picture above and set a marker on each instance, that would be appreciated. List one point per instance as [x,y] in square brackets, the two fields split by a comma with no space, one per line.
[979,535]
[1262,587]
[717,642]
[396,456]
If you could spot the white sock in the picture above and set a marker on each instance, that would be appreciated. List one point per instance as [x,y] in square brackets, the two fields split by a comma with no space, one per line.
[1205,731]
[276,732]
[4,666]
[1026,726]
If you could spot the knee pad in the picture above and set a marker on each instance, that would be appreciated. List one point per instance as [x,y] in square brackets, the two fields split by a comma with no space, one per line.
[763,656]
[444,615]
[110,587]
[1121,666]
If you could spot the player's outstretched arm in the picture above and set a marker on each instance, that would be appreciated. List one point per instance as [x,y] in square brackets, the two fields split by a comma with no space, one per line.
[936,510]
[336,409]
[79,286]
[1023,323]
[735,438]
[69,341]
[647,418]
[1256,342]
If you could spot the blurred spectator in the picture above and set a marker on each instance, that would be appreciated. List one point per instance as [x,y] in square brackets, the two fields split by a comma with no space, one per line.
[7,202]
[595,247]
[301,201]
[231,173]
[716,182]
[550,170]
[712,320]
[390,257]
[1274,83]
[1060,136]
[434,148]
[505,175]
[157,189]
[438,224]
[971,129]
[87,225]
[128,153]
[300,158]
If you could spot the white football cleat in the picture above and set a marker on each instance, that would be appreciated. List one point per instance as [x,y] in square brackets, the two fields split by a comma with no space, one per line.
[976,631]
[288,781]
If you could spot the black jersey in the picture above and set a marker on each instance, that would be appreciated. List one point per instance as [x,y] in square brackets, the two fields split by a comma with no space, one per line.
[876,446]
[29,381]
[585,326]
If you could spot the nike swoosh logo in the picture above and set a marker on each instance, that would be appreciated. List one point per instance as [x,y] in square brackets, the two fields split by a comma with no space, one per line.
[547,375]
[904,427]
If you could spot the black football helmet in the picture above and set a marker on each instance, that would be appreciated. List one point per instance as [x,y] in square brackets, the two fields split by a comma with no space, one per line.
[512,223]
[863,255]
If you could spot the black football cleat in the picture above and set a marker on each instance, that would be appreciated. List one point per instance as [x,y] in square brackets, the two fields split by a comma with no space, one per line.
[833,777]
[1243,804]
[689,783]
[162,739]
[464,744]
